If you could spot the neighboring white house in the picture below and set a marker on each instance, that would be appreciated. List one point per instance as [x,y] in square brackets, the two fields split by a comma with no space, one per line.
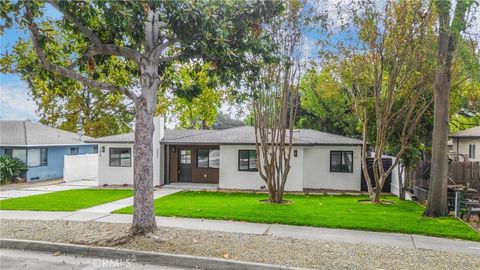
[227,157]
[467,142]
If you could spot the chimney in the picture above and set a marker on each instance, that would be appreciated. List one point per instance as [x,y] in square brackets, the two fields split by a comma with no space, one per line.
[159,132]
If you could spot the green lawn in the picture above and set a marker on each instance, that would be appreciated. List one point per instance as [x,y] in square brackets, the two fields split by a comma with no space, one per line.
[320,211]
[68,200]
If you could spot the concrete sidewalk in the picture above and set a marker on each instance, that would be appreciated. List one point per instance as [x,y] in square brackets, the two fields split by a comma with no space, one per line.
[112,206]
[26,190]
[309,233]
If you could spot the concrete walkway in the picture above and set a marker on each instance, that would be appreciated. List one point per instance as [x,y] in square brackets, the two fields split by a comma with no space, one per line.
[112,206]
[27,190]
[301,232]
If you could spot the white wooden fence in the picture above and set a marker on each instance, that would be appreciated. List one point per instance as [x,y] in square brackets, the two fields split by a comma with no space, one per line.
[77,167]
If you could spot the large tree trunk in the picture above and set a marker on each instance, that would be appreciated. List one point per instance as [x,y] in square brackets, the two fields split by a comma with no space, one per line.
[437,195]
[144,214]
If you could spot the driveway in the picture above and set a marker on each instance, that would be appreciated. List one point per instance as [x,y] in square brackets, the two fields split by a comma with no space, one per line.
[22,190]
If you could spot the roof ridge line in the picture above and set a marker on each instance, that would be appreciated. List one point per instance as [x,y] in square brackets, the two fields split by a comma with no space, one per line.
[191,135]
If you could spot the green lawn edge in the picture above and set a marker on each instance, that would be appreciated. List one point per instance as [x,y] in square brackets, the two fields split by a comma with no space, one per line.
[66,200]
[347,213]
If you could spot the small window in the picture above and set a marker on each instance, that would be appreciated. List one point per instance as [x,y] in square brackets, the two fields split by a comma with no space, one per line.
[208,158]
[19,153]
[341,161]
[185,156]
[74,150]
[95,149]
[471,151]
[247,160]
[120,157]
[37,157]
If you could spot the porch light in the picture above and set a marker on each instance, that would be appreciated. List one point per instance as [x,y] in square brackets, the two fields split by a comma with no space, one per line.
[295,153]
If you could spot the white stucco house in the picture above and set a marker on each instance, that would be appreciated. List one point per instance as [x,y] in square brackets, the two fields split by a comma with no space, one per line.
[227,158]
[467,142]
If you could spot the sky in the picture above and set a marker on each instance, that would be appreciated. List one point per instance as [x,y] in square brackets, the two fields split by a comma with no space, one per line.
[16,103]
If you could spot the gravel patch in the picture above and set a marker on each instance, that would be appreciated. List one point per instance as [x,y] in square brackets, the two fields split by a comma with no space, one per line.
[257,248]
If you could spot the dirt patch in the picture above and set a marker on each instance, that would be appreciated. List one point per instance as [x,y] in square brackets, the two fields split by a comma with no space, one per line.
[283,202]
[386,202]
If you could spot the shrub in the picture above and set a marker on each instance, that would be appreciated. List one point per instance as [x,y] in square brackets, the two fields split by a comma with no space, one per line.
[10,167]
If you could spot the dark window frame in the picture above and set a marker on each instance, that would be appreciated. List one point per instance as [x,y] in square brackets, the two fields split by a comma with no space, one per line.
[9,152]
[77,150]
[120,161]
[472,151]
[341,161]
[249,169]
[208,158]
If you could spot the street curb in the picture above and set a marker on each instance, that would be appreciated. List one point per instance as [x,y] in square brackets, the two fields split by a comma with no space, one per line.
[154,258]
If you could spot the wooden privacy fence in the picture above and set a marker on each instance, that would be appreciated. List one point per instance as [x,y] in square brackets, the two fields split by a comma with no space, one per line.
[465,173]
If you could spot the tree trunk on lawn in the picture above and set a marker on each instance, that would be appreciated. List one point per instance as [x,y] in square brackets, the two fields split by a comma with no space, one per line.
[437,195]
[144,214]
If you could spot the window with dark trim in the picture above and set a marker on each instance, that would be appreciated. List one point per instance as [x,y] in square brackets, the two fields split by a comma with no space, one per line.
[74,150]
[95,150]
[32,157]
[247,160]
[37,157]
[208,158]
[341,161]
[120,157]
[471,151]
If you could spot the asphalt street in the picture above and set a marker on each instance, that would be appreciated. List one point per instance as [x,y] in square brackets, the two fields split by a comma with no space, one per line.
[18,259]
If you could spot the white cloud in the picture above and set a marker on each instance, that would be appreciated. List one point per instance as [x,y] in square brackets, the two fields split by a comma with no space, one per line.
[15,103]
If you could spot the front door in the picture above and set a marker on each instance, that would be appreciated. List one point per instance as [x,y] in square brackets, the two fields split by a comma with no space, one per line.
[185,165]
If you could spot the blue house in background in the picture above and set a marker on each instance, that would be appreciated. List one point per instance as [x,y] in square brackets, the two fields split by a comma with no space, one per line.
[41,147]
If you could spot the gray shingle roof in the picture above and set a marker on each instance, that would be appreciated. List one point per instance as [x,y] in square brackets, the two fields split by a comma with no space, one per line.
[170,134]
[25,133]
[237,135]
[471,132]
[246,135]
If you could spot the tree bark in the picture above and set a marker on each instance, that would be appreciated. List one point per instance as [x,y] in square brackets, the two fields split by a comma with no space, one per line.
[144,214]
[437,195]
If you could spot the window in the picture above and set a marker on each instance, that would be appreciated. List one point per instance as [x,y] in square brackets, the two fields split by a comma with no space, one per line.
[185,156]
[471,151]
[17,153]
[74,150]
[37,157]
[247,160]
[341,161]
[208,158]
[120,157]
[95,149]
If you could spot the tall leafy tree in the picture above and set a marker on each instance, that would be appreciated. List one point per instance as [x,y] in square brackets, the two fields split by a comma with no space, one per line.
[150,36]
[274,101]
[387,76]
[449,30]
[324,105]
[197,97]
[66,103]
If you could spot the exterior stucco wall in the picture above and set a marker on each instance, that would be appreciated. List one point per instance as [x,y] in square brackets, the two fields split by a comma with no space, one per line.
[461,145]
[316,169]
[232,178]
[113,175]
[123,175]
[55,161]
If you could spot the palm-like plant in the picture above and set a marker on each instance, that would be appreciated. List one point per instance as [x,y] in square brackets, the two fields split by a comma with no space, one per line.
[10,167]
